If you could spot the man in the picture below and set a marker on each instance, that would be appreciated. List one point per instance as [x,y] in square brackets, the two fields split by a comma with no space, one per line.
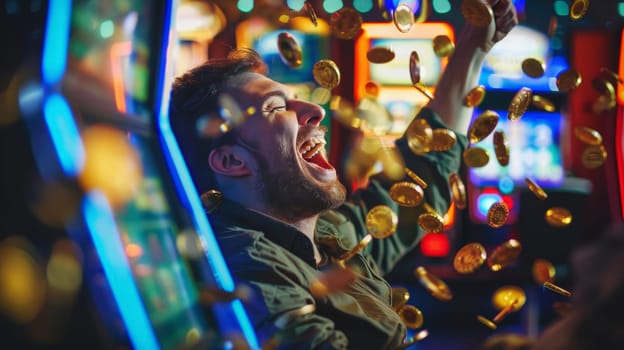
[284,218]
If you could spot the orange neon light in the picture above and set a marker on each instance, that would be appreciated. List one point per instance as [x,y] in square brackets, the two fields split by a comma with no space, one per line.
[119,50]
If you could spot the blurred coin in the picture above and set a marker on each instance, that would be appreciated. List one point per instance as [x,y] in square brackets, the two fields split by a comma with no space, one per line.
[332,281]
[555,288]
[403,17]
[519,103]
[431,222]
[407,194]
[543,271]
[458,191]
[433,284]
[593,156]
[289,50]
[504,254]
[469,258]
[535,188]
[309,10]
[552,26]
[475,157]
[533,67]
[558,216]
[604,87]
[603,104]
[442,140]
[419,136]
[482,126]
[611,76]
[484,320]
[475,96]
[411,316]
[320,95]
[501,148]
[290,316]
[477,12]
[509,295]
[423,89]
[381,221]
[358,248]
[442,46]
[413,340]
[399,297]
[346,23]
[543,103]
[497,214]
[588,135]
[578,9]
[414,67]
[211,200]
[568,79]
[380,54]
[326,74]
[412,175]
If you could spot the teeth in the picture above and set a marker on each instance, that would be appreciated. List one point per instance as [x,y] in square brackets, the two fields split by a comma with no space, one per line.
[312,147]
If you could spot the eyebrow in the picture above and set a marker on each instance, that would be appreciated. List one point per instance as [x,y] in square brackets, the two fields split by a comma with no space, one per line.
[278,93]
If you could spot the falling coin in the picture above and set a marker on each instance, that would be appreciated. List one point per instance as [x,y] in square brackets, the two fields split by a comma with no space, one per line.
[423,89]
[477,12]
[350,254]
[482,126]
[475,96]
[501,148]
[411,316]
[497,214]
[442,46]
[403,17]
[419,136]
[399,297]
[475,157]
[604,87]
[407,194]
[555,288]
[578,9]
[289,50]
[458,191]
[593,156]
[469,258]
[430,222]
[535,188]
[414,67]
[380,54]
[543,103]
[326,74]
[412,175]
[568,79]
[504,254]
[588,135]
[558,216]
[381,221]
[211,200]
[433,284]
[543,271]
[533,67]
[484,320]
[413,340]
[519,103]
[509,295]
[442,140]
[611,76]
[290,316]
[309,10]
[346,23]
[332,281]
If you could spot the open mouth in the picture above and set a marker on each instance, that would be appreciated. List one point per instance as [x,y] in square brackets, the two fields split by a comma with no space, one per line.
[311,151]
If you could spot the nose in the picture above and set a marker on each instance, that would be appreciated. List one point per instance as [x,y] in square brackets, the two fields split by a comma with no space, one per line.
[308,113]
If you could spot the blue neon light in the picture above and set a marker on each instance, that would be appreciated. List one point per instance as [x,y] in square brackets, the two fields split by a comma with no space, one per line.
[108,245]
[54,56]
[485,201]
[60,122]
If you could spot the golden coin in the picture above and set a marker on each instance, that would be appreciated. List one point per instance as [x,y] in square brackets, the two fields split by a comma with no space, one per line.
[412,175]
[458,191]
[419,136]
[331,281]
[475,96]
[475,157]
[211,200]
[431,222]
[593,156]
[533,67]
[414,67]
[433,284]
[578,9]
[380,54]
[289,316]
[588,135]
[403,17]
[320,95]
[411,316]
[497,214]
[477,12]
[501,148]
[543,103]
[604,87]
[504,254]
[399,297]
[519,103]
[509,295]
[536,189]
[611,76]
[423,89]
[558,216]
[346,23]
[543,271]
[555,288]
[326,74]
[486,322]
[381,221]
[469,258]
[289,50]
[442,46]
[568,79]
[407,194]
[350,254]
[309,10]
[482,126]
[442,139]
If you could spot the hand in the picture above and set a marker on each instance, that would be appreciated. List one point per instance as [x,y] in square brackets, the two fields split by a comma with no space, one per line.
[505,19]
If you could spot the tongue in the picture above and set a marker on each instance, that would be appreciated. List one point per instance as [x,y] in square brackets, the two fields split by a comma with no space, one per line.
[319,160]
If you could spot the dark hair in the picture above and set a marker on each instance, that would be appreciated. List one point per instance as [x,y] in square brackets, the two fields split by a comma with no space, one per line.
[194,96]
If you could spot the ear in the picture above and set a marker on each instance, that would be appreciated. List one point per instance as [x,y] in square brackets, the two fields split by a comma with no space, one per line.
[227,160]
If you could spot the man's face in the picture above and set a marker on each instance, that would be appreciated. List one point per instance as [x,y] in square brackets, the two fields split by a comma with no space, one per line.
[285,137]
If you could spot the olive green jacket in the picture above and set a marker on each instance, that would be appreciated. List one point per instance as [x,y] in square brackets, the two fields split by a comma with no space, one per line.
[277,261]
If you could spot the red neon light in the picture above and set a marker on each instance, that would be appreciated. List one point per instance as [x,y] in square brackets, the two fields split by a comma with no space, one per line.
[619,152]
[117,51]
[620,90]
[435,245]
